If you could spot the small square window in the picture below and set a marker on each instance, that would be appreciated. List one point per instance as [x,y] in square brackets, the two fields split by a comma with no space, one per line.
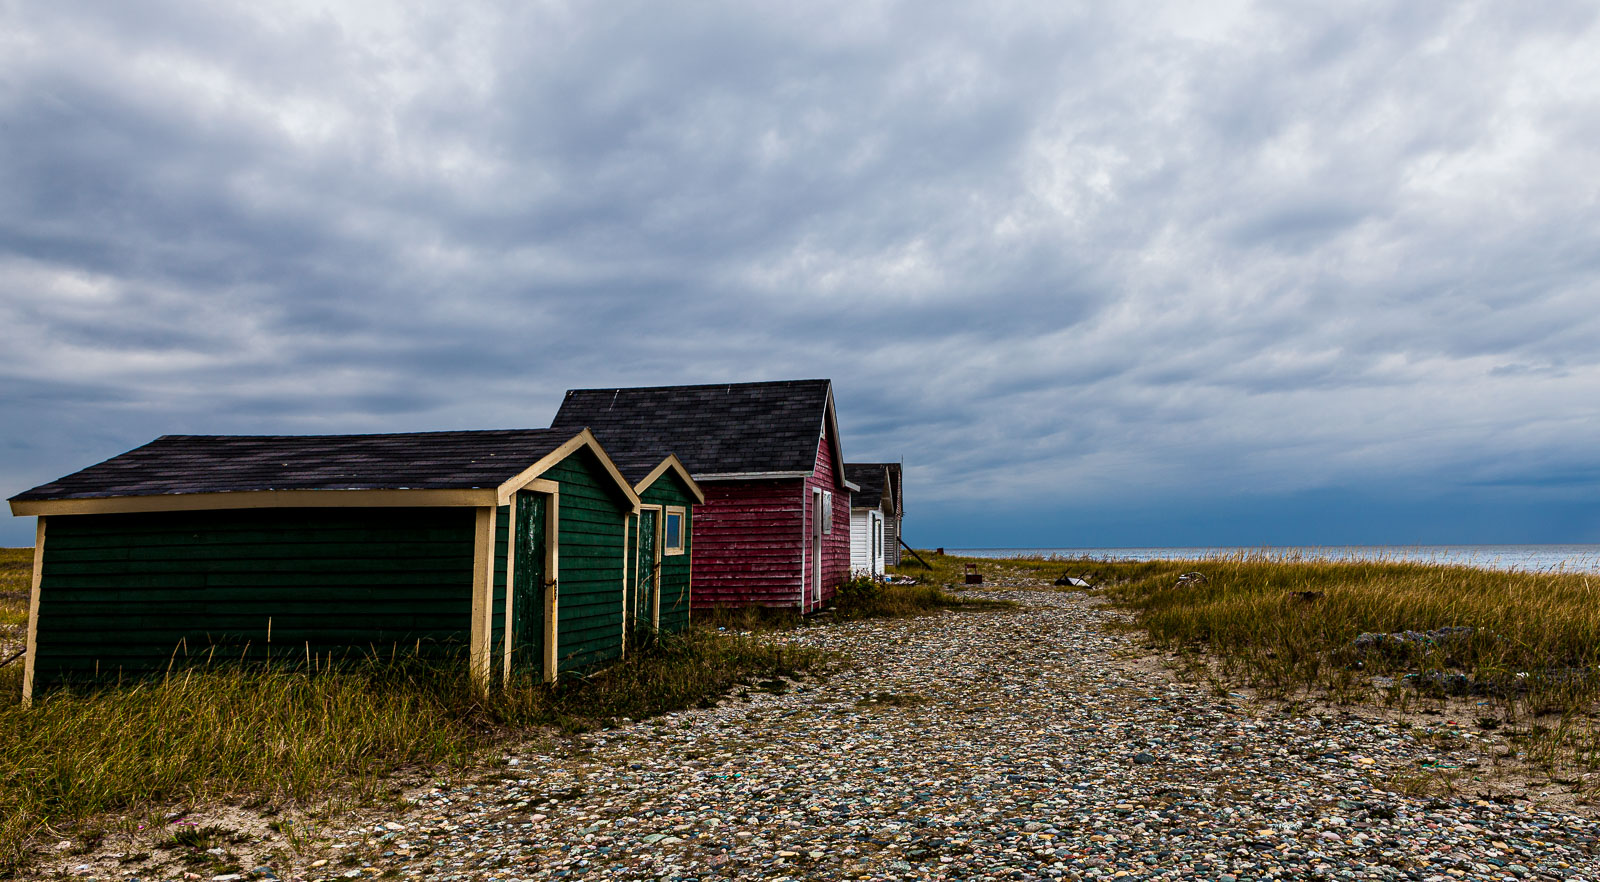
[674,525]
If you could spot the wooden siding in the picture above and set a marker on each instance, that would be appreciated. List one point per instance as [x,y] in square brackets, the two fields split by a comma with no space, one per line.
[747,545]
[497,630]
[891,539]
[126,595]
[669,489]
[835,545]
[863,523]
[592,515]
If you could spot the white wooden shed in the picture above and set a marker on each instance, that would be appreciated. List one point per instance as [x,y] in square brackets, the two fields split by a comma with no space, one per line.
[867,535]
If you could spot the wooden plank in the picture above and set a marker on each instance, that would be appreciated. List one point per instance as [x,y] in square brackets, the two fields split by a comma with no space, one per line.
[482,596]
[114,536]
[509,571]
[552,597]
[255,499]
[32,645]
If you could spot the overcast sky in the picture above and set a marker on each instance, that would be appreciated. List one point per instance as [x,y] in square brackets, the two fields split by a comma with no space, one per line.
[1100,273]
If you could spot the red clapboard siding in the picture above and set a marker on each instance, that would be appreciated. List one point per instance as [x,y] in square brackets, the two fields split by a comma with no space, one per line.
[835,545]
[747,544]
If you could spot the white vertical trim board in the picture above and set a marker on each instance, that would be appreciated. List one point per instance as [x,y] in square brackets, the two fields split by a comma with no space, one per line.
[805,542]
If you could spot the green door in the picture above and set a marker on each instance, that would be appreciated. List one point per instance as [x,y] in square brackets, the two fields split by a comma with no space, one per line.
[644,599]
[528,576]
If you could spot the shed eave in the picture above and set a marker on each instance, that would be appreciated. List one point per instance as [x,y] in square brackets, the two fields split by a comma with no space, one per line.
[673,464]
[582,439]
[467,497]
[750,476]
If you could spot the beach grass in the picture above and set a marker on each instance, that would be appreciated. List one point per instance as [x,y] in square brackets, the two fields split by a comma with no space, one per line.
[1524,647]
[860,597]
[291,737]
[866,598]
[16,581]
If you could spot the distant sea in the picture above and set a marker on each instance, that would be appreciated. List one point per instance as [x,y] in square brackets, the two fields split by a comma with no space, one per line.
[1536,558]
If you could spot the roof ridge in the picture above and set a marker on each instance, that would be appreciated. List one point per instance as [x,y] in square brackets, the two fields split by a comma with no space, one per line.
[700,385]
[479,432]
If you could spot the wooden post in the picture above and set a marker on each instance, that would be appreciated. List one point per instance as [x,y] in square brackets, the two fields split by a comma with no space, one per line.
[552,592]
[511,591]
[482,598]
[625,592]
[29,661]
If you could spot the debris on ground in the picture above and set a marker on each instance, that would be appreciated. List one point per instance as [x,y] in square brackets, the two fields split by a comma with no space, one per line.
[1407,640]
[1019,744]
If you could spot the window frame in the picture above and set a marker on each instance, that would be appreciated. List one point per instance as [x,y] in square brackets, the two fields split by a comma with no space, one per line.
[682,513]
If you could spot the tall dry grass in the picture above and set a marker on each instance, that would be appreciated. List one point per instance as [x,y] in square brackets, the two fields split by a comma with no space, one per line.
[1287,625]
[866,598]
[290,735]
[16,581]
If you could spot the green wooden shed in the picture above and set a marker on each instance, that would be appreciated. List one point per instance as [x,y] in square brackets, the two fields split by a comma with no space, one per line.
[659,542]
[323,547]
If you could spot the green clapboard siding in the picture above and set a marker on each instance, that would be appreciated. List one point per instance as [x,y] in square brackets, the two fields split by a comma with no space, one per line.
[497,632]
[669,489]
[130,594]
[593,513]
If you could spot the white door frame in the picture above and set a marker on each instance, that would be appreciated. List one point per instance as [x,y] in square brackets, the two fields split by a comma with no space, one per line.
[815,598]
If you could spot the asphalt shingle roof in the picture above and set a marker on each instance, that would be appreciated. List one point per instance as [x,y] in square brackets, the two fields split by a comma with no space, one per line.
[869,476]
[634,466]
[174,464]
[721,428]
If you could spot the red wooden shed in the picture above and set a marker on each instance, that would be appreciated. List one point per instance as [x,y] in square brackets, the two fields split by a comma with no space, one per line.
[775,526]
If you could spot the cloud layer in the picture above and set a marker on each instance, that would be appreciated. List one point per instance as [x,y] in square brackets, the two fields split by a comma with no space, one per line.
[1078,264]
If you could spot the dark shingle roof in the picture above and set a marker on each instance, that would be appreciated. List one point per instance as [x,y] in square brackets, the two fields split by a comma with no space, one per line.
[634,466]
[869,476]
[716,429]
[176,464]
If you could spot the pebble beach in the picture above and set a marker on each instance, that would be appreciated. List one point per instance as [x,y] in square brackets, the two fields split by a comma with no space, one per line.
[1029,743]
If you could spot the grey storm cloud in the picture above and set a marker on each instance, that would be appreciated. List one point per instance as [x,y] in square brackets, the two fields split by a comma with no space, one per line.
[1056,251]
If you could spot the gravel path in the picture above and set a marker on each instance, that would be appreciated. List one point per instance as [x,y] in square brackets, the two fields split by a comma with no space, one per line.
[979,745]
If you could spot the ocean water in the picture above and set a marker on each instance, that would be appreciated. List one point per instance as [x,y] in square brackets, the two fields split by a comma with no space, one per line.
[1534,558]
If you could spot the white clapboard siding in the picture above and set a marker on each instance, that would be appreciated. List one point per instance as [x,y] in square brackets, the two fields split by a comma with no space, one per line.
[866,541]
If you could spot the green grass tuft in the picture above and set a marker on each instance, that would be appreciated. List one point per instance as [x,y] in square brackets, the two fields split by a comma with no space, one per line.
[290,736]
[866,598]
[16,582]
[1285,624]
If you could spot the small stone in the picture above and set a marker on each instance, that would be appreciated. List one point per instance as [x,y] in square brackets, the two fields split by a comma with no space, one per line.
[995,746]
